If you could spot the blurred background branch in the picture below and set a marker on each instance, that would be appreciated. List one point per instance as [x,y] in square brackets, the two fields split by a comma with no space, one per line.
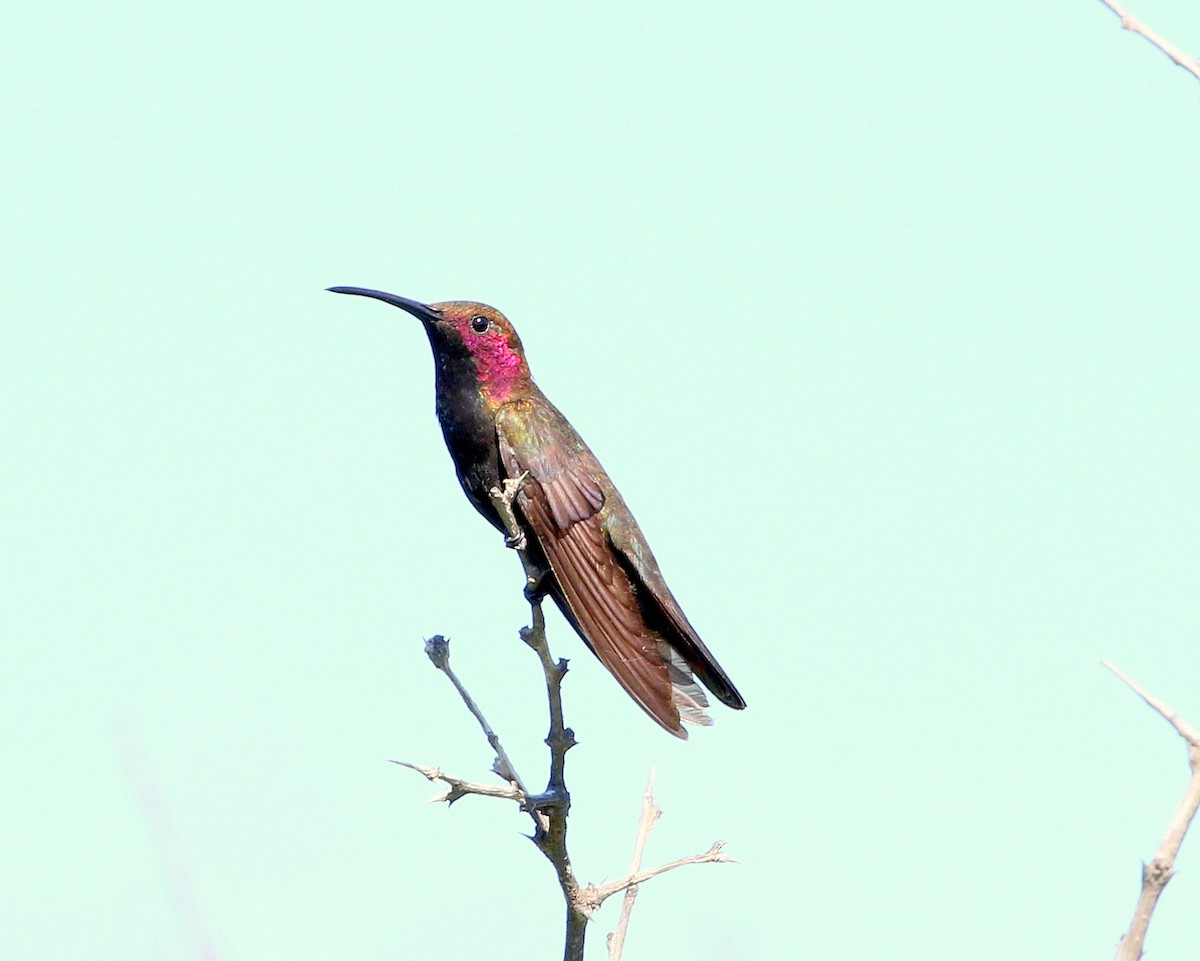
[1135,26]
[1158,872]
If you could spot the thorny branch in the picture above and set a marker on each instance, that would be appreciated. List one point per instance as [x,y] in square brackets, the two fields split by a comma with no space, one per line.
[1177,56]
[456,788]
[1158,872]
[438,649]
[549,809]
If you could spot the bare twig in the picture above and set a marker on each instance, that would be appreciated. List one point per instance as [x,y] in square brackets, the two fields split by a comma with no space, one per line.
[438,649]
[1158,872]
[650,815]
[595,895]
[547,810]
[457,788]
[1177,56]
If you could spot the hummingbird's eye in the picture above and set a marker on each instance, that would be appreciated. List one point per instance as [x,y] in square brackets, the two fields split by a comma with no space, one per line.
[479,323]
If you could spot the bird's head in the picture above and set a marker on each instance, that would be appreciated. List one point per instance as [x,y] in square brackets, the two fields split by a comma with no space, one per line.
[464,332]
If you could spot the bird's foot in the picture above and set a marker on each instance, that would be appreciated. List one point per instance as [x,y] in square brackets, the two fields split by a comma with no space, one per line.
[516,542]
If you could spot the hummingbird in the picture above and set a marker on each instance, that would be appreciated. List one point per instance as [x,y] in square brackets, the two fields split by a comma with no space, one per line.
[593,558]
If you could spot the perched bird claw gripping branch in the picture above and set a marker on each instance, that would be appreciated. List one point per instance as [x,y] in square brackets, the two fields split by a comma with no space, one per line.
[593,559]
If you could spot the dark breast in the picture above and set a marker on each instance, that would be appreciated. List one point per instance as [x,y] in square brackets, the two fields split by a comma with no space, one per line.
[470,432]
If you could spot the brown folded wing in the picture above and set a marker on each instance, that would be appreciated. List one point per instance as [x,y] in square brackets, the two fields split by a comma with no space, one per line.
[562,503]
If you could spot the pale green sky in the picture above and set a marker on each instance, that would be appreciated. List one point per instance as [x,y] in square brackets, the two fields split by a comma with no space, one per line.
[883,318]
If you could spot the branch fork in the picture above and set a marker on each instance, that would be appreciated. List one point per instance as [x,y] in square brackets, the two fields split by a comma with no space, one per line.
[548,810]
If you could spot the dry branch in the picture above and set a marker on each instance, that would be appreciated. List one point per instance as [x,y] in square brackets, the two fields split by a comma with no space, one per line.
[456,788]
[438,650]
[595,895]
[1134,26]
[1158,872]
[549,809]
[650,815]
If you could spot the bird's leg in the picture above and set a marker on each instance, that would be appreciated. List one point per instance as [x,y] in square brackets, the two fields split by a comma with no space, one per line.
[502,500]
